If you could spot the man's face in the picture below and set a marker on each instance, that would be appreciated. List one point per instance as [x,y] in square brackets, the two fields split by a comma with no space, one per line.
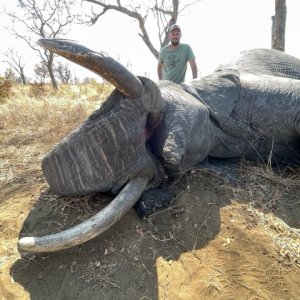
[174,37]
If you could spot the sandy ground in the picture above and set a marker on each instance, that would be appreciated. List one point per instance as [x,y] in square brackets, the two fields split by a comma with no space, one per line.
[212,242]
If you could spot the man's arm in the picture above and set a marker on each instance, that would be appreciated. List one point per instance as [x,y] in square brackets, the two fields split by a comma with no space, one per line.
[194,68]
[159,72]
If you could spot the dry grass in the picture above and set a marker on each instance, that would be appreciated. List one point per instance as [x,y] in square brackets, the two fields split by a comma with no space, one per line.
[267,189]
[212,285]
[37,117]
[49,114]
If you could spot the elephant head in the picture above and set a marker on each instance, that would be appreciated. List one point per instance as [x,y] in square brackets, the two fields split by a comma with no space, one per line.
[107,152]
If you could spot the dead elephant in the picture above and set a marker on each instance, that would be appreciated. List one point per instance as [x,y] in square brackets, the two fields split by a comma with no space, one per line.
[146,130]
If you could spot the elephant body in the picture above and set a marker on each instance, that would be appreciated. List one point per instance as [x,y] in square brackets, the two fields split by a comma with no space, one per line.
[236,112]
[146,131]
[233,113]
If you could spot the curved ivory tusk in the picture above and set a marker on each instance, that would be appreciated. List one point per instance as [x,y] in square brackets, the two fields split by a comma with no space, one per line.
[100,63]
[91,227]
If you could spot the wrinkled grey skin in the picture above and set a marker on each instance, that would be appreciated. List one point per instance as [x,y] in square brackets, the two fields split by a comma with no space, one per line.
[247,108]
[108,149]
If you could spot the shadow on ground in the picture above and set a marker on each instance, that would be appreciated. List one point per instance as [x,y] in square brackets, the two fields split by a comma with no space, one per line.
[123,262]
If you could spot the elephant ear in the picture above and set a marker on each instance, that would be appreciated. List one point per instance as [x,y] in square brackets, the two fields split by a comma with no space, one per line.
[219,92]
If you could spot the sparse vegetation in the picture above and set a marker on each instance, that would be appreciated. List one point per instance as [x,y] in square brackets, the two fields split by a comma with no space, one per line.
[272,196]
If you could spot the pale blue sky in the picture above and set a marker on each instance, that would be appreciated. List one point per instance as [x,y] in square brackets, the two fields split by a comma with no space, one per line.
[215,29]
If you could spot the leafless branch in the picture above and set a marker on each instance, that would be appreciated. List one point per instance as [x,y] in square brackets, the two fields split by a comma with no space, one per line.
[42,19]
[165,13]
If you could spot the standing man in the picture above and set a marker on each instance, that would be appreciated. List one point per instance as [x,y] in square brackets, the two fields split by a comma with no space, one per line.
[173,58]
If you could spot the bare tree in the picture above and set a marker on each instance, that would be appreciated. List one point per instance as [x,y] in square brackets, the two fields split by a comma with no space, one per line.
[41,71]
[43,19]
[63,72]
[165,13]
[15,61]
[278,25]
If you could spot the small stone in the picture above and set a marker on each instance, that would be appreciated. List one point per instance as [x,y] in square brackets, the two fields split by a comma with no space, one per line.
[112,249]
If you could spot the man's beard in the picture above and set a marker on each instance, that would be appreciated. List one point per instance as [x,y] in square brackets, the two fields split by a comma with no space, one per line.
[174,43]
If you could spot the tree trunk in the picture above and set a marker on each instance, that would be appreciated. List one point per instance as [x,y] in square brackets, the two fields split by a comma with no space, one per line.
[51,72]
[278,25]
[53,80]
[23,78]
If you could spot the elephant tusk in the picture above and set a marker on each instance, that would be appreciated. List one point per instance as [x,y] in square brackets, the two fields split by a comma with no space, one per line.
[98,62]
[91,227]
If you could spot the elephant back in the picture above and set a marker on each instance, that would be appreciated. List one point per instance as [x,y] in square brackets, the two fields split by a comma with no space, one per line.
[265,61]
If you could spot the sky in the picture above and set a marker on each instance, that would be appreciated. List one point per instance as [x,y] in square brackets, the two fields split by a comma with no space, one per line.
[215,29]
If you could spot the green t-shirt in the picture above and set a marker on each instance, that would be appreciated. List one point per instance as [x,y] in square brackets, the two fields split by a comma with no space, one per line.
[175,62]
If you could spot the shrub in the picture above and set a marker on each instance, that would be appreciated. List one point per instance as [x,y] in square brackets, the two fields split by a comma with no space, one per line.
[5,89]
[37,90]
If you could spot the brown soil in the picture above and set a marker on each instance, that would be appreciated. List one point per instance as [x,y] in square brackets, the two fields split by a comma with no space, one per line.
[211,243]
